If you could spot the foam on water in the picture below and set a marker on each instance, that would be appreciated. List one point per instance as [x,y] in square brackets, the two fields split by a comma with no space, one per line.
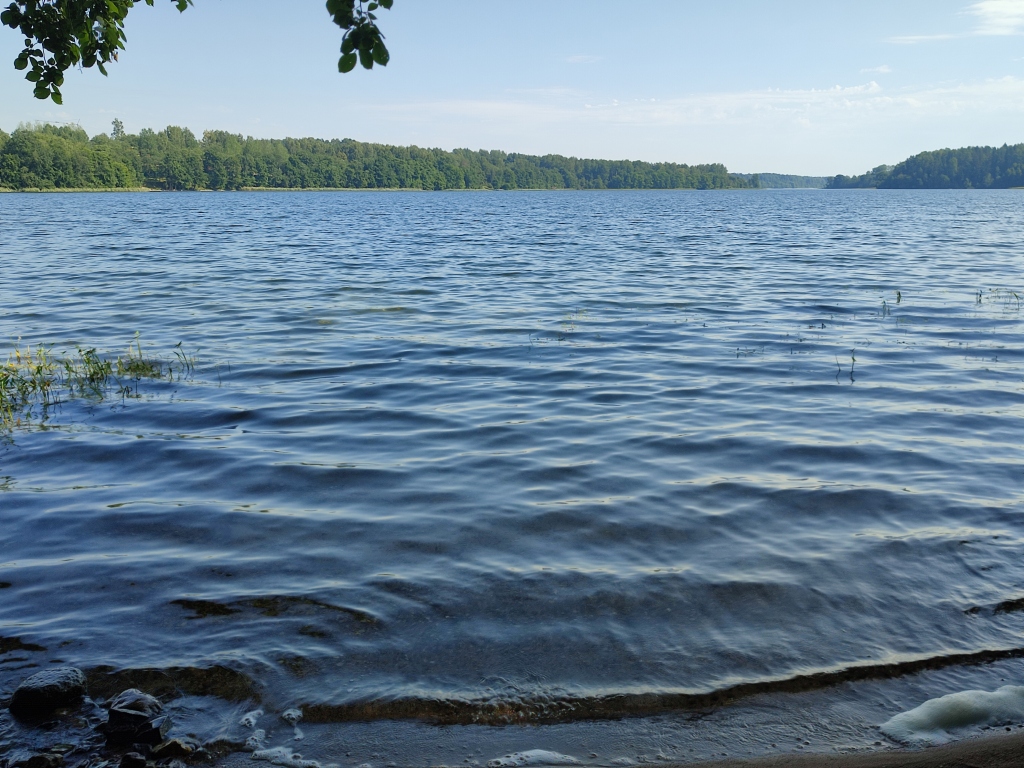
[249,719]
[532,757]
[288,758]
[255,741]
[939,720]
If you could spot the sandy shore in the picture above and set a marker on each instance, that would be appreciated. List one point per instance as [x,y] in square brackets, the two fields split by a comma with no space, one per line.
[1005,751]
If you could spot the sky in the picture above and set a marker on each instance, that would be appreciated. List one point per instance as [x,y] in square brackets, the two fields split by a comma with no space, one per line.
[784,86]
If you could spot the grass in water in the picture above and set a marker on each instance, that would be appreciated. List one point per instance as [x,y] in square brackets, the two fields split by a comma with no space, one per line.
[33,381]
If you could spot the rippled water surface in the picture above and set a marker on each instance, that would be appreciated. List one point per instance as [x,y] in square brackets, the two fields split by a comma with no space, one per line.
[499,457]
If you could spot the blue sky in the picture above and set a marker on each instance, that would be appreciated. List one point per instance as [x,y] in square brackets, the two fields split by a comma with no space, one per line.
[794,87]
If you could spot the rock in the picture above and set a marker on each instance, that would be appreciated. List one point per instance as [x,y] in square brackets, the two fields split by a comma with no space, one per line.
[133,708]
[45,760]
[133,760]
[152,733]
[49,690]
[134,718]
[173,748]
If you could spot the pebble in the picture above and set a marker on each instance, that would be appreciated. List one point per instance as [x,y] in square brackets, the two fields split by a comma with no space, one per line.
[48,690]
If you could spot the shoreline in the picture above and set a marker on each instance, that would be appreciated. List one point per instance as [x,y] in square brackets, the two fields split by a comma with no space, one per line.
[68,190]
[1005,750]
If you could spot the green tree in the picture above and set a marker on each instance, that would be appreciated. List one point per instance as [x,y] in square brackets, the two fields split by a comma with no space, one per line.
[60,34]
[63,157]
[46,156]
[964,168]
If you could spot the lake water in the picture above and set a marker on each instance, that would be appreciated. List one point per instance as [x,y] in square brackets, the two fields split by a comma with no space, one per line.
[597,463]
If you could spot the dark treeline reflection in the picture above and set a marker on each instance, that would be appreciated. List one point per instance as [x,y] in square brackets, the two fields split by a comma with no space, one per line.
[49,156]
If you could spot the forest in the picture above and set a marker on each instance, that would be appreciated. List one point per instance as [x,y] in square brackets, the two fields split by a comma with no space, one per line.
[65,157]
[966,168]
[784,181]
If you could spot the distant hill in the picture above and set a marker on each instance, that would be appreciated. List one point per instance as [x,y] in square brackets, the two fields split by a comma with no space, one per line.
[966,168]
[65,157]
[784,181]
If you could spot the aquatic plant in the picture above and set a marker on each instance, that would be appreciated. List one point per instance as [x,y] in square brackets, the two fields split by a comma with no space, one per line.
[33,381]
[1009,298]
[28,377]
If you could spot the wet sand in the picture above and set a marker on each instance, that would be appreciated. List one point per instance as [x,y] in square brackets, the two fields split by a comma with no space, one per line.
[1005,751]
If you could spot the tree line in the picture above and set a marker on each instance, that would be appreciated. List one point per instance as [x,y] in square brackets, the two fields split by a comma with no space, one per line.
[966,168]
[784,181]
[65,157]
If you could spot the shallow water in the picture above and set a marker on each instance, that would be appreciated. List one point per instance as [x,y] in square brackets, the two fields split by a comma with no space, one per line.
[522,457]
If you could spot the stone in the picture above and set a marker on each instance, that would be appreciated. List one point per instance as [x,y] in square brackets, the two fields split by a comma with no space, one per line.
[134,718]
[152,732]
[172,748]
[45,760]
[133,708]
[133,760]
[49,690]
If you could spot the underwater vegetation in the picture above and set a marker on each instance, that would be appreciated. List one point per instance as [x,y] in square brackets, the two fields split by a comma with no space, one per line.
[34,381]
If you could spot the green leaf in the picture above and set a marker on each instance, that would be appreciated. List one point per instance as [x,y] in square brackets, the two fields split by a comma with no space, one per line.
[57,99]
[347,45]
[347,63]
[380,54]
[365,58]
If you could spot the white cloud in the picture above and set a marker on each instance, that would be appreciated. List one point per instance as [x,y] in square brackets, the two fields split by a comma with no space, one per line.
[828,106]
[814,130]
[914,39]
[994,17]
[998,17]
[882,70]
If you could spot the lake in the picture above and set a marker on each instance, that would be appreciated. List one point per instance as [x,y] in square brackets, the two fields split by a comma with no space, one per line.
[622,475]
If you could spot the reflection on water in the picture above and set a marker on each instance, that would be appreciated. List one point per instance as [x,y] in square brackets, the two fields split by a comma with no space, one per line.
[522,457]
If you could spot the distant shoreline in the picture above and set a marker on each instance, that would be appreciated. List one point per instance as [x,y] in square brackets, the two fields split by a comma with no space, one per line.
[69,190]
[90,189]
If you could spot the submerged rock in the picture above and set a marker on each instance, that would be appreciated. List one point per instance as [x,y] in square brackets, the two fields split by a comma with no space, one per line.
[45,760]
[173,748]
[132,708]
[133,760]
[135,718]
[49,690]
[152,732]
